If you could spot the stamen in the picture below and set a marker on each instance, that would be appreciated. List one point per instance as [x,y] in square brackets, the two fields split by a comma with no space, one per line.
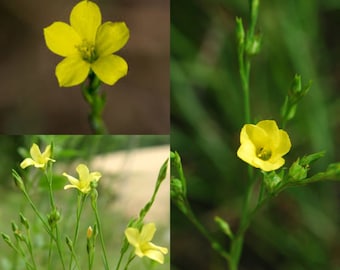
[87,51]
[263,153]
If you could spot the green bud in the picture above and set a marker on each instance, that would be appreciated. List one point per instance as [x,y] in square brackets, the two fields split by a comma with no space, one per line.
[297,172]
[176,188]
[93,184]
[296,91]
[271,180]
[53,217]
[24,221]
[224,226]
[253,46]
[306,160]
[162,171]
[14,226]
[7,239]
[94,196]
[69,243]
[240,34]
[18,181]
[296,85]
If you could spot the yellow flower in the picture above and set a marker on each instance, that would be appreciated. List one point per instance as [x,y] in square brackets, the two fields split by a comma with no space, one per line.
[85,179]
[143,246]
[87,45]
[263,145]
[38,160]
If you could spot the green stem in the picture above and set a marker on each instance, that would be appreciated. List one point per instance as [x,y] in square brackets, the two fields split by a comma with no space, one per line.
[94,206]
[97,103]
[80,206]
[237,241]
[120,260]
[30,249]
[214,243]
[244,64]
[36,211]
[54,211]
[129,261]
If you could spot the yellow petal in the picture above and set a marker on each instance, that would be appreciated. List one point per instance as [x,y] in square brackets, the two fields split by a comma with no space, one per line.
[110,68]
[247,152]
[269,126]
[155,255]
[83,172]
[283,145]
[71,179]
[269,165]
[85,18]
[61,39]
[161,249]
[27,162]
[35,152]
[72,71]
[111,37]
[257,135]
[132,235]
[95,176]
[147,232]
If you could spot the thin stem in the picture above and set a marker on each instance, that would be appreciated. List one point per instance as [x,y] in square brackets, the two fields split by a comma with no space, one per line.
[36,211]
[244,64]
[237,241]
[94,206]
[54,211]
[214,243]
[97,103]
[132,256]
[120,260]
[30,249]
[80,206]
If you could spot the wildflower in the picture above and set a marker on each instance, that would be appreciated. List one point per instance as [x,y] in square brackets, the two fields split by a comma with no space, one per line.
[85,178]
[143,246]
[263,145]
[38,160]
[87,45]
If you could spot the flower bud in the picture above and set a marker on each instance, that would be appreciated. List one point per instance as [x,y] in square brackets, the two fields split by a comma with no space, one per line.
[297,172]
[239,31]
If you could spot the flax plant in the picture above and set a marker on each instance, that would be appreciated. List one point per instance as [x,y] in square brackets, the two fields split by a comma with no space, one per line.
[137,235]
[263,146]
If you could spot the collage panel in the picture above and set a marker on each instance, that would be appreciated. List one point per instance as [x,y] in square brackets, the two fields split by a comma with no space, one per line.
[85,202]
[255,135]
[83,67]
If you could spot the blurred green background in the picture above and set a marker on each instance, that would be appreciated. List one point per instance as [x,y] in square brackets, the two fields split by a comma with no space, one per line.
[117,201]
[300,228]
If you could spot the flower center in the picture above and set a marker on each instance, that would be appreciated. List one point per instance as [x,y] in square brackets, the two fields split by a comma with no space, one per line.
[87,51]
[263,153]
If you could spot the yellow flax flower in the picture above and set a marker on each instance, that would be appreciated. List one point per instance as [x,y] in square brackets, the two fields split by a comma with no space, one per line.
[143,246]
[85,178]
[38,160]
[263,145]
[87,45]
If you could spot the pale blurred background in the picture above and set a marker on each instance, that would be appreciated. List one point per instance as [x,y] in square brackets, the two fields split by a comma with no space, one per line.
[31,100]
